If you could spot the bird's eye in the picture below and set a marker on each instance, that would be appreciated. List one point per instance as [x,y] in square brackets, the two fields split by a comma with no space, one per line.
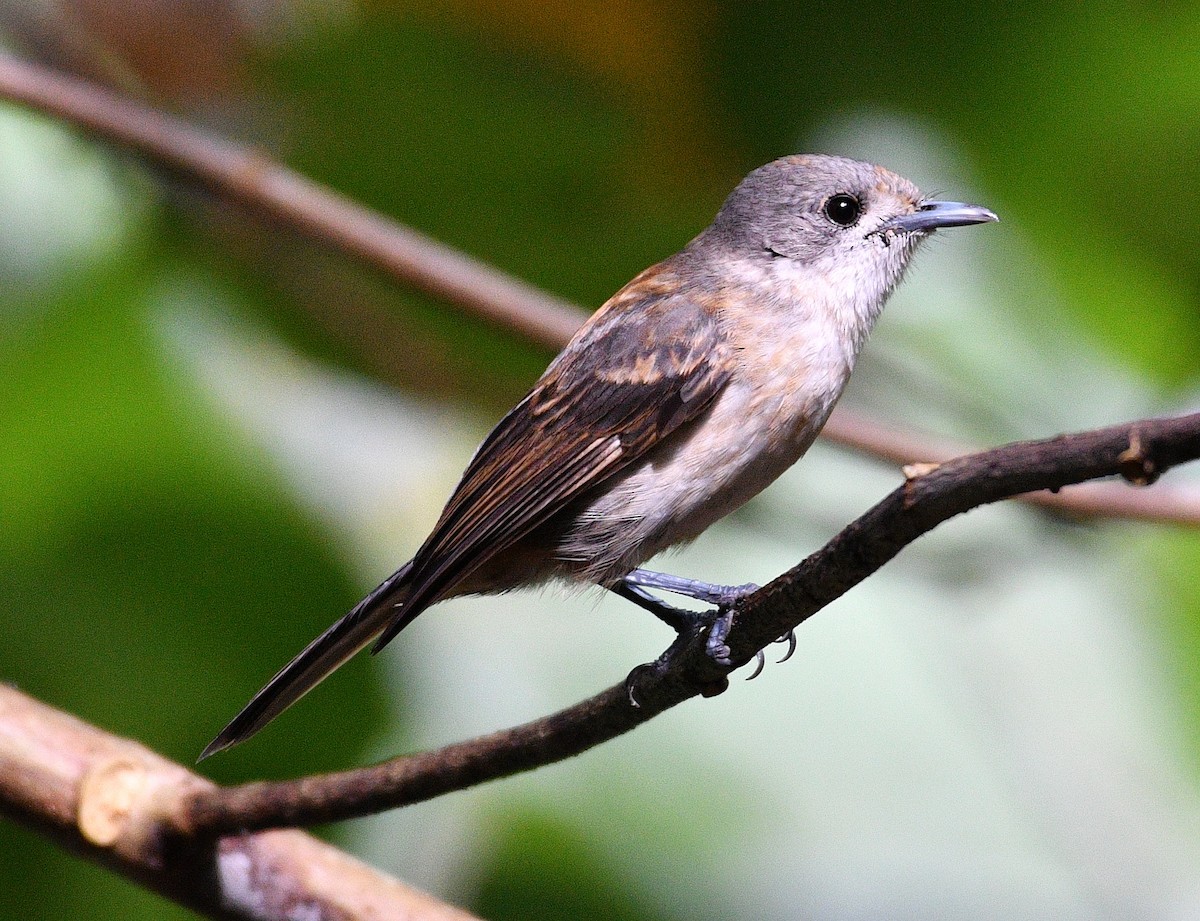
[843,209]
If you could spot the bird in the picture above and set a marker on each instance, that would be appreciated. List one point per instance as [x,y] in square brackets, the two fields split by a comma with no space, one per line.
[688,392]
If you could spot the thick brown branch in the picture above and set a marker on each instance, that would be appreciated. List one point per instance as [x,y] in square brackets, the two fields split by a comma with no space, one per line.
[104,798]
[924,501]
[256,182]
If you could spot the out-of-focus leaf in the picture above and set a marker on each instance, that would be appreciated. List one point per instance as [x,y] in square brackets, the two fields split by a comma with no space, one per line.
[159,547]
[543,870]
[42,882]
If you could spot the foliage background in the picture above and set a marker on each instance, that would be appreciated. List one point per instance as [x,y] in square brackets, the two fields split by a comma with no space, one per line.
[206,456]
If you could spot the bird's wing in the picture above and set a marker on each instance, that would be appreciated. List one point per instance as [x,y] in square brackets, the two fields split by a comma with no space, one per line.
[651,360]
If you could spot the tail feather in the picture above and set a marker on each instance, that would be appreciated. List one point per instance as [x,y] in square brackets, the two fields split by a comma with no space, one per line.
[319,659]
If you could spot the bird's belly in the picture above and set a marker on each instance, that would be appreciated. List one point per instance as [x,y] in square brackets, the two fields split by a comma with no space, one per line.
[684,485]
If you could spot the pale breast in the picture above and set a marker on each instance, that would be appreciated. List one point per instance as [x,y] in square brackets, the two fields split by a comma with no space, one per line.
[760,425]
[795,353]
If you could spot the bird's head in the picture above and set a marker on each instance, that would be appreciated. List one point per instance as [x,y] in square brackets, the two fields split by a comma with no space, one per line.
[832,223]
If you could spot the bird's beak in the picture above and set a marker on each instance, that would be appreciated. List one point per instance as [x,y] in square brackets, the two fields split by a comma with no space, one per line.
[931,215]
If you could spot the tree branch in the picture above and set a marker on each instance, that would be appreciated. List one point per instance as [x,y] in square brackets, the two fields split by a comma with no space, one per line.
[1165,504]
[1138,451]
[254,181]
[117,803]
[102,797]
[257,183]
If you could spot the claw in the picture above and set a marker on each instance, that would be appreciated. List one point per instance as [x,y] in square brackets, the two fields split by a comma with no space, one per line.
[658,666]
[790,639]
[631,682]
[758,666]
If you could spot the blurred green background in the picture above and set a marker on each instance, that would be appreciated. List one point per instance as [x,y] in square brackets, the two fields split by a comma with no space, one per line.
[214,437]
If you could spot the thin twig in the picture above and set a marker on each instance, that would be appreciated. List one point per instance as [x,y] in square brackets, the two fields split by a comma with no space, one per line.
[1167,503]
[102,797]
[1140,451]
[256,182]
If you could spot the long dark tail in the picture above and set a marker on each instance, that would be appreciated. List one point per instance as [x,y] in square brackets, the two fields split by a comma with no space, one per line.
[319,659]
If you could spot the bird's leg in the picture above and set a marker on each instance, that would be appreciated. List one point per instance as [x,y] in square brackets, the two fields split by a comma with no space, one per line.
[723,596]
[687,624]
[684,622]
[635,585]
[680,620]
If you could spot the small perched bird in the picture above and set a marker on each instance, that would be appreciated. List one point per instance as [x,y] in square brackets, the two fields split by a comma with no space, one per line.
[691,390]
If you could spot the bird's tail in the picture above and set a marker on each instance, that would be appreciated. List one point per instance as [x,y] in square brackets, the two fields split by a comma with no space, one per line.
[318,660]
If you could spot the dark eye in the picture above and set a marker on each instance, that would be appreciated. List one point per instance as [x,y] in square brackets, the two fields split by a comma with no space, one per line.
[842,209]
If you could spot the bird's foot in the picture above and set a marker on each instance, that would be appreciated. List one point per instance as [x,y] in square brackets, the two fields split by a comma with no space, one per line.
[636,588]
[687,624]
[718,632]
[664,663]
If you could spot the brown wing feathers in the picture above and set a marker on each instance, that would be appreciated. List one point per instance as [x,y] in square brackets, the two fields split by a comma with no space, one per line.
[646,364]
[590,416]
